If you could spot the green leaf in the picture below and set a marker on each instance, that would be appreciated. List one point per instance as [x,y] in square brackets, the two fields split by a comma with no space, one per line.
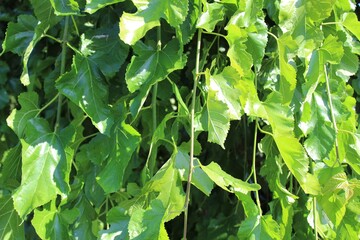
[44,12]
[319,10]
[125,142]
[65,7]
[11,226]
[256,42]
[319,127]
[286,13]
[199,178]
[332,50]
[103,43]
[286,46]
[351,22]
[39,32]
[94,5]
[119,221]
[87,214]
[148,224]
[134,26]
[84,86]
[211,15]
[168,184]
[187,29]
[10,174]
[319,144]
[51,223]
[273,170]
[350,144]
[259,227]
[44,168]
[151,65]
[291,150]
[224,87]
[218,120]
[226,181]
[29,102]
[19,35]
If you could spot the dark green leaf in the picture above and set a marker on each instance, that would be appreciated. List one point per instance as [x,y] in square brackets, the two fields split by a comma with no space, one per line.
[44,12]
[19,35]
[10,174]
[84,86]
[125,142]
[65,7]
[11,226]
[103,43]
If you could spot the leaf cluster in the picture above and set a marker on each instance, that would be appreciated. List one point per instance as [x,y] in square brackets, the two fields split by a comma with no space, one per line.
[111,109]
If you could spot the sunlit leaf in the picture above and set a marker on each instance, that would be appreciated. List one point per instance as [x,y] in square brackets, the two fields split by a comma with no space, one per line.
[286,47]
[148,224]
[218,120]
[319,10]
[351,22]
[133,26]
[94,5]
[226,181]
[43,162]
[29,102]
[259,227]
[211,15]
[51,223]
[223,85]
[151,66]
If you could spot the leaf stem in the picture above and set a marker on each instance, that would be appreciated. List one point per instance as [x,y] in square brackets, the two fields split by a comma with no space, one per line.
[273,35]
[47,104]
[192,129]
[151,159]
[62,70]
[254,165]
[314,215]
[332,114]
[216,34]
[314,207]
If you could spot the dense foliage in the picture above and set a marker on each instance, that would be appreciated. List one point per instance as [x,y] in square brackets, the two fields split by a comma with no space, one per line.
[112,110]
